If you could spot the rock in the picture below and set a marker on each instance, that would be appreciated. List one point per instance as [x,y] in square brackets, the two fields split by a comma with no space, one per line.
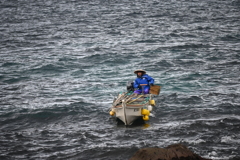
[172,152]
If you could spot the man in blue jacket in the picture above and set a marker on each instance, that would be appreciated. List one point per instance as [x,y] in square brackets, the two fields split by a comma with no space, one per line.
[143,82]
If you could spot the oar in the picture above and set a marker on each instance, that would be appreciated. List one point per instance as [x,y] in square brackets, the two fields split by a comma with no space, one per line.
[130,97]
[135,99]
[123,96]
[118,100]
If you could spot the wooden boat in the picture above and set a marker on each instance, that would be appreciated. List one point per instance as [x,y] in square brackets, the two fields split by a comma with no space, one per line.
[129,106]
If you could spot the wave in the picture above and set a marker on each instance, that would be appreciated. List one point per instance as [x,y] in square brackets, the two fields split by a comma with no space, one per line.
[48,69]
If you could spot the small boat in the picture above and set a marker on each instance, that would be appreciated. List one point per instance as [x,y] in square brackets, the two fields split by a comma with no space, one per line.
[128,106]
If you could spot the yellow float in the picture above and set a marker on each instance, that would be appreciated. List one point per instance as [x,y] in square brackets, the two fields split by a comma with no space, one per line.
[112,113]
[152,102]
[145,112]
[145,118]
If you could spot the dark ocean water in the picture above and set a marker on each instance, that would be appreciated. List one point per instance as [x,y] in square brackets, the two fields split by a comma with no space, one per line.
[61,63]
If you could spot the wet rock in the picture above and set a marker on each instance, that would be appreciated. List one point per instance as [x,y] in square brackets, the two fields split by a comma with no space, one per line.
[172,152]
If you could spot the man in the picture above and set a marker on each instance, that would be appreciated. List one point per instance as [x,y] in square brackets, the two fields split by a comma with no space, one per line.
[142,82]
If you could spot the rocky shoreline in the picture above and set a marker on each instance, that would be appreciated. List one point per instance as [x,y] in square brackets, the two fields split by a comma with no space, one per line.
[172,152]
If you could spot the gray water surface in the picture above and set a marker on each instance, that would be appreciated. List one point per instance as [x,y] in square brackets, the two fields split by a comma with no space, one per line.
[61,62]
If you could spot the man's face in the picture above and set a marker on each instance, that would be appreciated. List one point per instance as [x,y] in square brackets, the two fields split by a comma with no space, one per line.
[139,73]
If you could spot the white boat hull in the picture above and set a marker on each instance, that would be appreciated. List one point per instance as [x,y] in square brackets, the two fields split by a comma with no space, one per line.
[128,115]
[128,108]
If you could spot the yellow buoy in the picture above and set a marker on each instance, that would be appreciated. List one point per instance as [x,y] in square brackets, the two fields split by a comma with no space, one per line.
[152,102]
[145,118]
[112,113]
[145,112]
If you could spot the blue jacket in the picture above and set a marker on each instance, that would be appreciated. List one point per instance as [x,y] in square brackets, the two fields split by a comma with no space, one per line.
[145,79]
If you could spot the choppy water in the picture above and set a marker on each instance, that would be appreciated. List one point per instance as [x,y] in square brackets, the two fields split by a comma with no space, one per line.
[62,60]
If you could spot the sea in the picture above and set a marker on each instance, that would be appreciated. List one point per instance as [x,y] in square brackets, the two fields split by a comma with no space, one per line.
[62,62]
